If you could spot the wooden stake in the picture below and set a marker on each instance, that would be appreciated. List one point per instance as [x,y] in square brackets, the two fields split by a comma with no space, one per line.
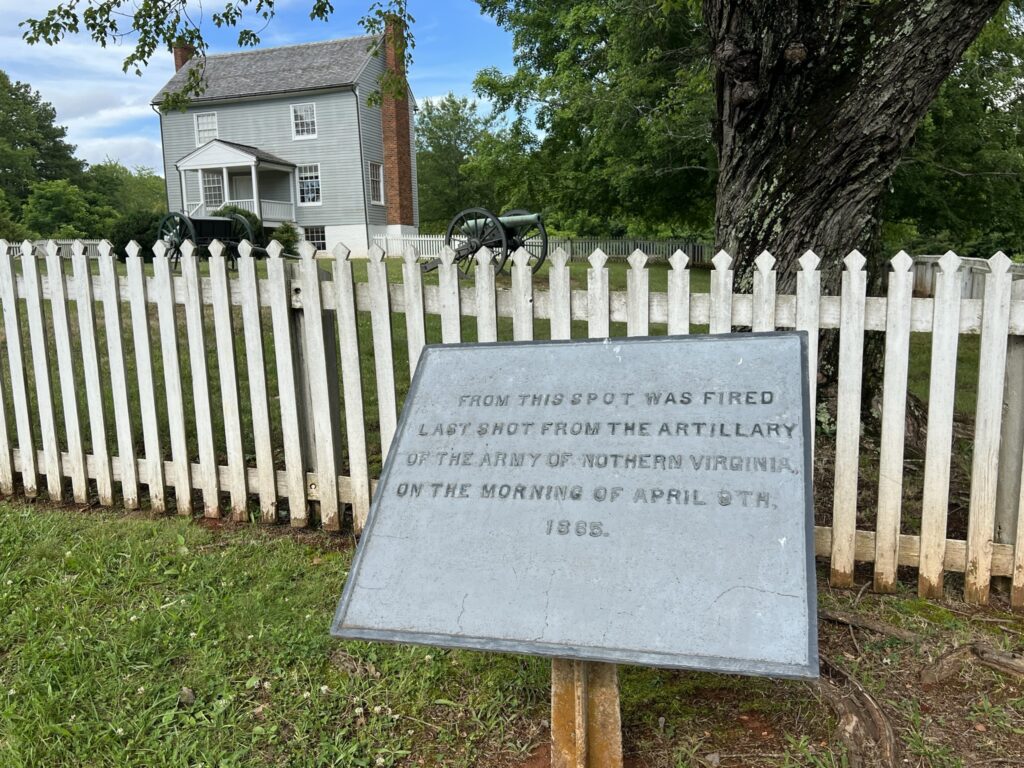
[586,729]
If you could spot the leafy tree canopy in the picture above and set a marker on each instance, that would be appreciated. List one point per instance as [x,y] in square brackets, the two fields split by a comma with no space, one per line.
[113,184]
[11,230]
[62,210]
[155,25]
[959,186]
[448,134]
[620,92]
[32,145]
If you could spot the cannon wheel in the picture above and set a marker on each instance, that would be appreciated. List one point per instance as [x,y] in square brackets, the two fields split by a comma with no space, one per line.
[174,229]
[465,243]
[533,237]
[241,230]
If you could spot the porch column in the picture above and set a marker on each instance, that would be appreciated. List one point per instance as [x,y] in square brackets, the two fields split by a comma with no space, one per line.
[227,192]
[202,192]
[291,191]
[256,192]
[184,193]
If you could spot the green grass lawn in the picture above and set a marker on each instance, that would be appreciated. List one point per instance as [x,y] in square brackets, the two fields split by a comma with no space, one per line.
[137,641]
[108,619]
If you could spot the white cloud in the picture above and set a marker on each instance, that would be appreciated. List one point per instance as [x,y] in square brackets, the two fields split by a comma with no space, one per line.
[130,150]
[105,110]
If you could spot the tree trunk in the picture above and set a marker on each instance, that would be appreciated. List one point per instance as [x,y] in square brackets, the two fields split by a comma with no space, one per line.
[817,99]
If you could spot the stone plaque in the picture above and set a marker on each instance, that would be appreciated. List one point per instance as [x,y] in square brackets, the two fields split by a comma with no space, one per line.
[642,501]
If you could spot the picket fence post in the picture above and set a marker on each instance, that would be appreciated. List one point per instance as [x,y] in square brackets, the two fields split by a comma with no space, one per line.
[638,295]
[560,295]
[351,382]
[848,420]
[224,337]
[985,467]
[448,282]
[415,323]
[894,408]
[91,372]
[721,294]
[486,300]
[280,290]
[383,354]
[522,295]
[678,294]
[155,476]
[763,312]
[322,419]
[163,292]
[808,318]
[19,389]
[206,481]
[259,402]
[41,371]
[110,295]
[598,321]
[938,447]
[66,374]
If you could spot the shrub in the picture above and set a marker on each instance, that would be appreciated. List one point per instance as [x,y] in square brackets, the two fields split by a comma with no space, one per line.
[288,236]
[138,225]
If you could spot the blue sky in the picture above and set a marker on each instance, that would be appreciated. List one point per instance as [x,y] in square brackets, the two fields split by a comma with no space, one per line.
[107,112]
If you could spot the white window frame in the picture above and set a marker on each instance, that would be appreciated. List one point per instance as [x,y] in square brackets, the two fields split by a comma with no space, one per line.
[216,176]
[303,137]
[298,185]
[195,125]
[380,166]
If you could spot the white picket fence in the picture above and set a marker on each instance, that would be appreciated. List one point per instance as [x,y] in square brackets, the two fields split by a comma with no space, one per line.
[227,392]
[579,249]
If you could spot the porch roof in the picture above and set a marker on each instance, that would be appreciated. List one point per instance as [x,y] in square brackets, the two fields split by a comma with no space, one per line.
[218,153]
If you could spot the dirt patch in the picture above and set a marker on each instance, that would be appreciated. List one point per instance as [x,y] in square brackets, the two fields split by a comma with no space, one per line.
[876,704]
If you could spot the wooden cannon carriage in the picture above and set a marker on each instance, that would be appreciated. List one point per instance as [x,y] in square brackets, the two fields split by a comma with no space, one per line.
[230,229]
[476,228]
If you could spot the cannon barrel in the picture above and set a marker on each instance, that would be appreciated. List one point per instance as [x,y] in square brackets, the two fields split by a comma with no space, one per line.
[519,221]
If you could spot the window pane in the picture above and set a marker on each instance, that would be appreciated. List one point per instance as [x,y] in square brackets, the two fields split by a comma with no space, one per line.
[213,189]
[304,119]
[376,183]
[206,127]
[309,183]
[317,236]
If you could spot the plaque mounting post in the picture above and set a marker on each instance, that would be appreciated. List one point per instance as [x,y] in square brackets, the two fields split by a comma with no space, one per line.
[586,728]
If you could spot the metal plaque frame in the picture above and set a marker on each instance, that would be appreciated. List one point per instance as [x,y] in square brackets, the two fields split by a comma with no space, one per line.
[341,629]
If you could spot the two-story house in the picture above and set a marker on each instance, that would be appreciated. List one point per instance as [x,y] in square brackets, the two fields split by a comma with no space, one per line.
[291,134]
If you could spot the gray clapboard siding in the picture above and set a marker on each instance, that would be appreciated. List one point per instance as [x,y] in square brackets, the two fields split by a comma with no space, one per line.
[266,124]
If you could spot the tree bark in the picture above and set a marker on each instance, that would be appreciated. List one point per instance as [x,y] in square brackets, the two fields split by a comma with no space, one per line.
[816,101]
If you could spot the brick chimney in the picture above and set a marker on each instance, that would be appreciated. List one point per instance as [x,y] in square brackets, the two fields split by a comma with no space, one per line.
[183,53]
[395,122]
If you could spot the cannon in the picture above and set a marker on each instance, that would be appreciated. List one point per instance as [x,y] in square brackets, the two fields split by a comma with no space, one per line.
[476,228]
[231,229]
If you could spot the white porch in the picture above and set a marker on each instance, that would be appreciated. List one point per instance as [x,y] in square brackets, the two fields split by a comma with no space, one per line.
[225,173]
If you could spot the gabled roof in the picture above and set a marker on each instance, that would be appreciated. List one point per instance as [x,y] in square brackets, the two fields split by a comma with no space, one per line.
[218,152]
[265,71]
[256,152]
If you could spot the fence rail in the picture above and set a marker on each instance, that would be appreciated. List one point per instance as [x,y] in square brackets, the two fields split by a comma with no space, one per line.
[579,249]
[64,246]
[213,391]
